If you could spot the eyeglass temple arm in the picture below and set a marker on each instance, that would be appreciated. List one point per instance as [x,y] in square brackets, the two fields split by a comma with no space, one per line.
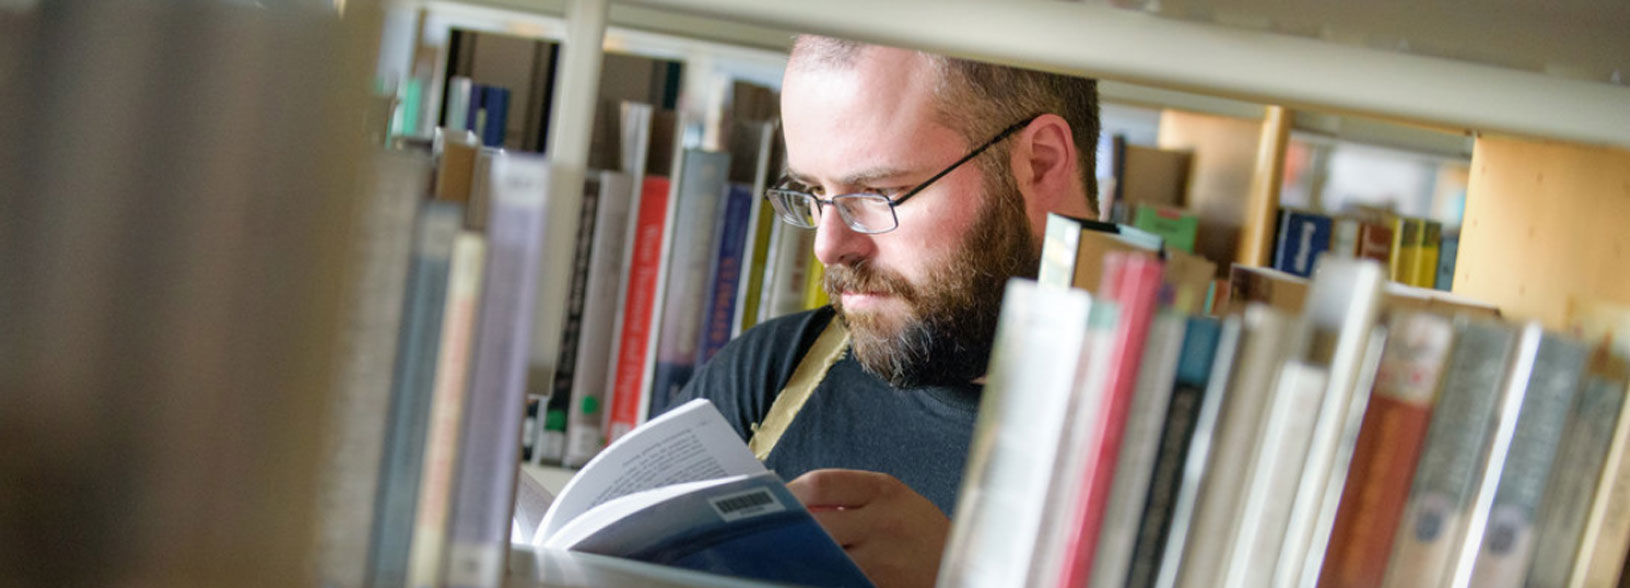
[971,154]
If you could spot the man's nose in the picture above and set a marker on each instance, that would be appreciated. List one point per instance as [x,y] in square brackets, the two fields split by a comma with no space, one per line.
[836,243]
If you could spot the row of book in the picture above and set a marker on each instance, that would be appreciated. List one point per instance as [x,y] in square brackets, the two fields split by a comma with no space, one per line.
[1360,438]
[666,271]
[1417,252]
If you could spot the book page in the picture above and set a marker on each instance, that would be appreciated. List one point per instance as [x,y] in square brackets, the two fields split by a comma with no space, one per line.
[689,443]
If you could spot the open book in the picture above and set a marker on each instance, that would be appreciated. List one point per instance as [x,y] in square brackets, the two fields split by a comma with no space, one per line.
[683,490]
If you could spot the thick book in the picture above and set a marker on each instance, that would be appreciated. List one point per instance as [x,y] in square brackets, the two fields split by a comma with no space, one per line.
[489,453]
[368,338]
[1568,496]
[1131,280]
[1440,494]
[1387,449]
[1406,244]
[591,376]
[1151,398]
[1001,510]
[411,389]
[630,373]
[444,429]
[1375,242]
[1262,348]
[691,237]
[683,490]
[1538,395]
[1189,419]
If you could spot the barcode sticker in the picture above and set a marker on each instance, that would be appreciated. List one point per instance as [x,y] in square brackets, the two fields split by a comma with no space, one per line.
[741,505]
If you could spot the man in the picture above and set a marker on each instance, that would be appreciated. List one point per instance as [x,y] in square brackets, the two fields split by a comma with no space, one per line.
[928,181]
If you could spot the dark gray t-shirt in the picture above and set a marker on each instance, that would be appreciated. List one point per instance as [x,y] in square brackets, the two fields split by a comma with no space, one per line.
[852,421]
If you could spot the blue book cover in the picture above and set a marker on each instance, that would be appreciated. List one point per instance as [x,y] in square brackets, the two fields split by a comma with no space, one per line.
[747,526]
[1302,237]
[725,275]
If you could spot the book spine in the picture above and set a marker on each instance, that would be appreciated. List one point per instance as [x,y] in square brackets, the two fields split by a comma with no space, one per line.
[1606,536]
[1448,250]
[1507,543]
[1016,445]
[478,530]
[639,308]
[760,219]
[1132,280]
[1306,236]
[1169,553]
[560,390]
[701,190]
[1275,470]
[1440,493]
[789,273]
[1375,242]
[1152,396]
[586,428]
[726,274]
[1426,256]
[1246,396]
[1194,367]
[1388,447]
[1406,246]
[446,409]
[814,293]
[495,114]
[372,322]
[1060,242]
[411,391]
[1579,458]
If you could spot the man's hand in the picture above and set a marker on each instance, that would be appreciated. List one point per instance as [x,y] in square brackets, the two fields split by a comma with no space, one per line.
[893,533]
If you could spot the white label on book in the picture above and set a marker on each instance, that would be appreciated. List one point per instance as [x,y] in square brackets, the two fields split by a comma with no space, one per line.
[742,505]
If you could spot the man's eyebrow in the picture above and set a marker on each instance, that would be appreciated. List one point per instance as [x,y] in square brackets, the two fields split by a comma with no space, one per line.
[860,178]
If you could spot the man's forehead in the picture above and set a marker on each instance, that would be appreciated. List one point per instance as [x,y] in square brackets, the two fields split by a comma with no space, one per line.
[867,119]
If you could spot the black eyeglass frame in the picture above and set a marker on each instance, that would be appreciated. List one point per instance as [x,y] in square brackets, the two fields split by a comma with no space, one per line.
[792,218]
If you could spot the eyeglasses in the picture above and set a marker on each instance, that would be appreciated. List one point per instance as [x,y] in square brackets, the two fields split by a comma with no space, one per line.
[864,212]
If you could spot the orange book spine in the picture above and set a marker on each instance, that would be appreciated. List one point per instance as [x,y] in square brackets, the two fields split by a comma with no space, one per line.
[1387,451]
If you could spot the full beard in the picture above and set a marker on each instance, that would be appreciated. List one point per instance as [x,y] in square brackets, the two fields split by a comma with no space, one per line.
[946,335]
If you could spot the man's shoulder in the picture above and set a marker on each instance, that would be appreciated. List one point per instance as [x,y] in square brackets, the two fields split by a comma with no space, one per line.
[743,378]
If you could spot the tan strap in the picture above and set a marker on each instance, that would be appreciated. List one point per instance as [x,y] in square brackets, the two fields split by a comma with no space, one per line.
[827,350]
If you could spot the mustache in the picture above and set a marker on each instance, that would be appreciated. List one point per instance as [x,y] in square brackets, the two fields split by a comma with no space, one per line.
[863,278]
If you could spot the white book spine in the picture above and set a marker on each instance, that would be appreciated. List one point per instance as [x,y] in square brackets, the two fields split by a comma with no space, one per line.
[591,377]
[1287,431]
[1001,508]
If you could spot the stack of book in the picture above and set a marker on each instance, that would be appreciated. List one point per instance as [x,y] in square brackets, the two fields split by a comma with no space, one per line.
[1362,439]
[1417,252]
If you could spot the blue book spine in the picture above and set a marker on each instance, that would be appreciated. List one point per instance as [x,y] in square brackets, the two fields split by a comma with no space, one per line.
[1302,237]
[725,275]
[472,116]
[495,102]
[415,373]
[1447,249]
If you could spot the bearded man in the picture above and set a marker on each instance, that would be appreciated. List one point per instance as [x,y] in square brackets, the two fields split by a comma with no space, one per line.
[928,181]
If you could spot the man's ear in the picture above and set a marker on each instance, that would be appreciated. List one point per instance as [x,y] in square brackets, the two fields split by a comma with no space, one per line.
[1044,163]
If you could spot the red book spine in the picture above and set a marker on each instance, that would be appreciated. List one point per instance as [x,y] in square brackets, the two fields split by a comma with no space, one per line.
[629,386]
[1131,280]
[1372,502]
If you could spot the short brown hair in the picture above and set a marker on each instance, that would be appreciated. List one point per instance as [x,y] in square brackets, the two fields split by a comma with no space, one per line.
[979,99]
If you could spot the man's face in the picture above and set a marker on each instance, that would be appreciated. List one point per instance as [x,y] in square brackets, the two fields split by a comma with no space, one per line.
[921,301]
